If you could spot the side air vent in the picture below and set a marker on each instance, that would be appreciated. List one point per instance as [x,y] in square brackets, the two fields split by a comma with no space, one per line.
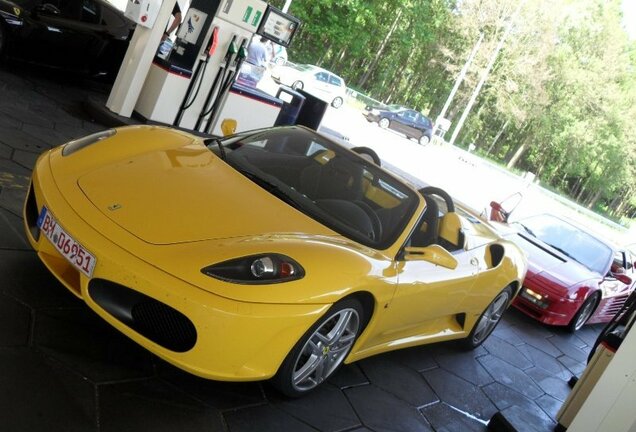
[496,254]
[151,318]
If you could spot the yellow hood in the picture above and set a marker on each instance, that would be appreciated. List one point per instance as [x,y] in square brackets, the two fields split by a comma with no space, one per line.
[188,194]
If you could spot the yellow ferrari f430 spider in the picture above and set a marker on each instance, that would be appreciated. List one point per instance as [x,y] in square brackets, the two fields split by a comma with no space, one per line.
[272,254]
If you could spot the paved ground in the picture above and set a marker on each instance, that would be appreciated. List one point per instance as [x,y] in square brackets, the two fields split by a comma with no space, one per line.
[63,369]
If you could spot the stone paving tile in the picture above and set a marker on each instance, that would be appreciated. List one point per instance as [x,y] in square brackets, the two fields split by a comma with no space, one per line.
[153,406]
[529,419]
[504,397]
[52,137]
[9,122]
[460,394]
[11,167]
[311,409]
[510,376]
[574,366]
[13,236]
[25,159]
[550,405]
[23,114]
[562,335]
[13,192]
[444,418]
[217,394]
[349,376]
[35,396]
[417,358]
[264,418]
[84,342]
[21,140]
[535,339]
[570,349]
[553,386]
[25,278]
[546,362]
[5,151]
[373,405]
[509,335]
[15,322]
[505,351]
[400,381]
[589,333]
[463,365]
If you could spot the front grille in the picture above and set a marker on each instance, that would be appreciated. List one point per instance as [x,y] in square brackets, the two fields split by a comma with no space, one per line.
[164,325]
[32,213]
[151,318]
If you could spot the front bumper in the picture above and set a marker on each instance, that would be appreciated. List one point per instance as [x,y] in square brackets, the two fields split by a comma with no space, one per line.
[233,341]
[371,117]
[558,312]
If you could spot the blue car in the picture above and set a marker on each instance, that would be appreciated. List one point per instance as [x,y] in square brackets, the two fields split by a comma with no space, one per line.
[407,121]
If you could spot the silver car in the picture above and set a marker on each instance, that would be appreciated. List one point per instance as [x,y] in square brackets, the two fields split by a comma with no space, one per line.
[312,79]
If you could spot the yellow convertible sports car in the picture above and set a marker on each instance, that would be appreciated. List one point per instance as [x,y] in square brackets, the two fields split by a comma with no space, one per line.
[274,253]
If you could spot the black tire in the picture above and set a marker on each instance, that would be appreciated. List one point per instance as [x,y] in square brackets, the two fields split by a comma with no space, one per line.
[337,102]
[290,381]
[488,320]
[384,123]
[424,140]
[584,313]
[298,85]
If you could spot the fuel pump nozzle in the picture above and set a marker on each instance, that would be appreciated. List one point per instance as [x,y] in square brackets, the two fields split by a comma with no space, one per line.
[213,95]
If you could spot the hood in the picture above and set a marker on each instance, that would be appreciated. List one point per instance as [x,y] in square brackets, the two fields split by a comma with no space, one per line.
[188,194]
[548,263]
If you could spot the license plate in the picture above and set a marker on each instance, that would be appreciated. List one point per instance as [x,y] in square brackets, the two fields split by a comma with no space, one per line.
[70,249]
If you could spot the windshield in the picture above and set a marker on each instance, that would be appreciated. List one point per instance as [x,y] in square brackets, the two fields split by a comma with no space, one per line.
[325,181]
[570,240]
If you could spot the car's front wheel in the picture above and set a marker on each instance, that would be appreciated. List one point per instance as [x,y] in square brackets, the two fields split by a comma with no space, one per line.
[321,350]
[297,85]
[583,314]
[424,139]
[337,102]
[488,319]
[384,123]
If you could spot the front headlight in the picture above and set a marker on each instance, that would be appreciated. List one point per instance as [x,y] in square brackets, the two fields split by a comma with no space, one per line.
[256,269]
[538,299]
[78,144]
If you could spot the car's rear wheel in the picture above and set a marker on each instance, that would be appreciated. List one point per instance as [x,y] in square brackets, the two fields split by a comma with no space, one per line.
[424,139]
[384,123]
[321,351]
[489,319]
[297,85]
[583,314]
[337,102]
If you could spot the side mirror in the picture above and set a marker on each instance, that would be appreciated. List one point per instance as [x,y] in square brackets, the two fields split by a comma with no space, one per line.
[434,254]
[497,213]
[624,278]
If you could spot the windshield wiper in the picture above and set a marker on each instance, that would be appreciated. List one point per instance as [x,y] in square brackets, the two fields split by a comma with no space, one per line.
[220,146]
[562,251]
[528,230]
[270,186]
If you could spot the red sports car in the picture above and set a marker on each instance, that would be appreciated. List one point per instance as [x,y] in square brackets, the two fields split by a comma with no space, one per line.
[573,277]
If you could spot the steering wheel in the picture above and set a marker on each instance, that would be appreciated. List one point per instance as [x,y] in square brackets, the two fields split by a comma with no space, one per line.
[432,190]
[375,220]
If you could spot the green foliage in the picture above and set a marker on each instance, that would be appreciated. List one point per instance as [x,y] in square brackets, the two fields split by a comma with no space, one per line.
[560,100]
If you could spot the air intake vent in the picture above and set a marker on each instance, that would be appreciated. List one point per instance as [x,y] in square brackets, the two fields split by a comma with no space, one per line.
[152,319]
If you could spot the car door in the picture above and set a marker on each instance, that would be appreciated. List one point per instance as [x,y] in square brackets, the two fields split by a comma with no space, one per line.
[65,33]
[410,125]
[621,271]
[321,84]
[428,296]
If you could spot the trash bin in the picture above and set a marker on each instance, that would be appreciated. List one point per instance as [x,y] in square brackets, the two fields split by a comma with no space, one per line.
[312,111]
[292,104]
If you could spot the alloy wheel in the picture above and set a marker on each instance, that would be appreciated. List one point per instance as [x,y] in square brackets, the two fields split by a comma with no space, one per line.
[491,317]
[325,349]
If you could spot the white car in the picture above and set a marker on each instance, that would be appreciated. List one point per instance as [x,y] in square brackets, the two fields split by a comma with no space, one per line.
[319,82]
